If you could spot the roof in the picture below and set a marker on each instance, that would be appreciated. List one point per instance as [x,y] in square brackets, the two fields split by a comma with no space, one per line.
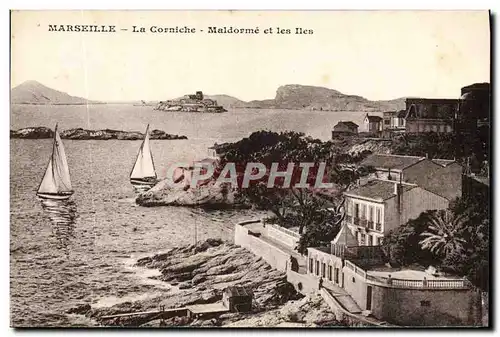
[373,118]
[345,237]
[432,100]
[239,291]
[348,124]
[444,162]
[378,189]
[390,161]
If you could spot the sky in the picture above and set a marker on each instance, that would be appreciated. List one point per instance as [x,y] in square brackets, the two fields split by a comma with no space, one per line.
[378,55]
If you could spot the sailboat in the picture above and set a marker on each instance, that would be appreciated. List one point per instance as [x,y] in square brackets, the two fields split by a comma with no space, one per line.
[143,175]
[56,183]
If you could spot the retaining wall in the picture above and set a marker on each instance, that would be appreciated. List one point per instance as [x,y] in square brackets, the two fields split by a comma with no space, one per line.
[276,258]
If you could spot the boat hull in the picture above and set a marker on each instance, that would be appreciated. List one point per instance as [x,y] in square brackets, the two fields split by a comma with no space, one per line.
[142,184]
[55,196]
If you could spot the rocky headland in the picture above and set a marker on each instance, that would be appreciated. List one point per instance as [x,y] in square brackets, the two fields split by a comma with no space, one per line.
[199,274]
[83,134]
[295,96]
[209,195]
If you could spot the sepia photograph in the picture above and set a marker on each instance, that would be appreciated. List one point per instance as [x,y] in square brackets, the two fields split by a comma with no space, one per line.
[250,169]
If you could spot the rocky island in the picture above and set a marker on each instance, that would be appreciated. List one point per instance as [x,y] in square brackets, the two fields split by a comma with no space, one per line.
[83,134]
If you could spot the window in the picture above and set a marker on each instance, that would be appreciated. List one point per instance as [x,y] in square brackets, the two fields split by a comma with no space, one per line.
[323,267]
[356,210]
[329,273]
[317,267]
[353,280]
[370,213]
[349,207]
[362,239]
[311,263]
[363,212]
[379,215]
[337,275]
[425,303]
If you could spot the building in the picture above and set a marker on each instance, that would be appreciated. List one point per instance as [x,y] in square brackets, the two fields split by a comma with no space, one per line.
[430,115]
[474,107]
[216,151]
[394,123]
[440,176]
[347,128]
[237,299]
[372,210]
[405,297]
[357,281]
[373,125]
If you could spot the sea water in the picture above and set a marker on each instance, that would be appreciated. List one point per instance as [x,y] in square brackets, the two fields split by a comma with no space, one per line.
[81,251]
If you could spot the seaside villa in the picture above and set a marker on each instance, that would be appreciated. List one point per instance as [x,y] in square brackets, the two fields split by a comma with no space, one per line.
[352,273]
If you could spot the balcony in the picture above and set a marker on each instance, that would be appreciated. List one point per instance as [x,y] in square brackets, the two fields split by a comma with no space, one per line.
[361,222]
[378,227]
[348,219]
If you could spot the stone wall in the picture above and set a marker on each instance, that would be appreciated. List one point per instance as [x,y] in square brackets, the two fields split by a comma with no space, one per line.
[426,307]
[276,258]
[303,283]
[280,235]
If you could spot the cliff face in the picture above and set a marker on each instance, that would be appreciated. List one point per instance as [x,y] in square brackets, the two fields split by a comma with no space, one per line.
[294,96]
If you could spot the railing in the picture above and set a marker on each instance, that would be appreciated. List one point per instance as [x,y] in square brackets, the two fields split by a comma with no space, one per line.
[378,227]
[348,218]
[409,284]
[285,230]
[356,221]
[350,265]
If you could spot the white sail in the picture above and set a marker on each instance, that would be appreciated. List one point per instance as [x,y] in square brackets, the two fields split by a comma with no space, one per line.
[144,166]
[56,178]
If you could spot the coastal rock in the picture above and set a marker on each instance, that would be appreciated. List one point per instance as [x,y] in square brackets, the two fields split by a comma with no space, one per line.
[39,132]
[80,310]
[241,268]
[83,134]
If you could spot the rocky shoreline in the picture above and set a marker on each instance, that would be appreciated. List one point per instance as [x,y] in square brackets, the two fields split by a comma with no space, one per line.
[83,134]
[199,274]
[208,196]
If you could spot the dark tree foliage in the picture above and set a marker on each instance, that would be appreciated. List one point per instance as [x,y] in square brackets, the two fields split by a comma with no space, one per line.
[316,216]
[402,245]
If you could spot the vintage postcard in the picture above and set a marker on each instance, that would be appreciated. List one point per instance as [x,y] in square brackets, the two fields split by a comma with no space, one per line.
[259,169]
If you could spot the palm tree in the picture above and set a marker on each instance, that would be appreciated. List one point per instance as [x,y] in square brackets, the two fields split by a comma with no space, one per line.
[444,236]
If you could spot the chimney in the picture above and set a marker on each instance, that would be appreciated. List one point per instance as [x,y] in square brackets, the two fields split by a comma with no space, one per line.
[396,188]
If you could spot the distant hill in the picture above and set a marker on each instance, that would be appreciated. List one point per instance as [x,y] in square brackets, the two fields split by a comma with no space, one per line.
[294,96]
[33,92]
[227,101]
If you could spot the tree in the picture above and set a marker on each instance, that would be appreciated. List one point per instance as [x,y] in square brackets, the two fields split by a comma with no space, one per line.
[444,235]
[306,207]
[402,245]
